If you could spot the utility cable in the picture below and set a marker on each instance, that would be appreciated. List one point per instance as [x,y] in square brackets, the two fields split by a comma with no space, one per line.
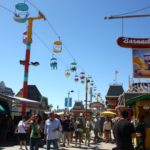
[45,45]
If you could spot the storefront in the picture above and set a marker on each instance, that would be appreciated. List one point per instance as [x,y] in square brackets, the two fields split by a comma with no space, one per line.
[141,108]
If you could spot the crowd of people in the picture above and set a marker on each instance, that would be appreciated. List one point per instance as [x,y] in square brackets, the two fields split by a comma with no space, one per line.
[53,130]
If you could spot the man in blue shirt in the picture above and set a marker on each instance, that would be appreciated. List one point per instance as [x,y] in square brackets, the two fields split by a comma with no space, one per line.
[51,131]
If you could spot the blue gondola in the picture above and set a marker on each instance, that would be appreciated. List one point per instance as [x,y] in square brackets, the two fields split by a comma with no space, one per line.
[21,12]
[53,63]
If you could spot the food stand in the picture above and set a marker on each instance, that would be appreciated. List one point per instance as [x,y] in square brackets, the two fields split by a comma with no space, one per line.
[141,107]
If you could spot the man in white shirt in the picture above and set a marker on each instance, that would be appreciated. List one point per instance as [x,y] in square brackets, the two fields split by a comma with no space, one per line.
[51,131]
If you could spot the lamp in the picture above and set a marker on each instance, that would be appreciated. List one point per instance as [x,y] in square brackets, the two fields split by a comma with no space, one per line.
[36,63]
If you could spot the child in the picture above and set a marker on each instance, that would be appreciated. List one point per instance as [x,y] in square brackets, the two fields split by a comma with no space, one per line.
[87,136]
[88,129]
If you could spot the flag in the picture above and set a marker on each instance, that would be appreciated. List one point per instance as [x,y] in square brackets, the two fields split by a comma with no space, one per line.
[116,71]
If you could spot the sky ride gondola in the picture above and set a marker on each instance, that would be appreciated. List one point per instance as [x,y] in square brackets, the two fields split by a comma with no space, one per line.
[73,67]
[95,88]
[67,73]
[76,78]
[57,47]
[53,63]
[21,12]
[82,77]
[92,83]
[24,37]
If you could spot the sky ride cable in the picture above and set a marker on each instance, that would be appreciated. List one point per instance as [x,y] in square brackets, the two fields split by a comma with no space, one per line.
[50,25]
[134,11]
[46,46]
[53,29]
[7,9]
[1,6]
[55,32]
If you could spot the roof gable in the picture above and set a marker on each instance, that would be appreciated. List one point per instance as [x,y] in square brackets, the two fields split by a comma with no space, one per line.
[115,90]
[33,93]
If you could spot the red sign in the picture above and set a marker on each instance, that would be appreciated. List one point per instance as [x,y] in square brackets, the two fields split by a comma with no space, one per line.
[133,42]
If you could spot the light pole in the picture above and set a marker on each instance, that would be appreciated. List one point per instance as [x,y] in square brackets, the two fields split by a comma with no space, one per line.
[27,56]
[22,62]
[68,98]
[86,95]
[87,80]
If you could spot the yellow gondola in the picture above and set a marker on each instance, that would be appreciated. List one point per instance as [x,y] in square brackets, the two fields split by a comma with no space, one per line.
[57,47]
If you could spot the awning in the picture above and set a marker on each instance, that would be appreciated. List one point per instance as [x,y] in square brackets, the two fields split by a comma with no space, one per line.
[60,113]
[2,109]
[144,97]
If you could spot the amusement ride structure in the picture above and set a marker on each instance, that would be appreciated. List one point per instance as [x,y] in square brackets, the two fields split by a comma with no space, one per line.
[21,15]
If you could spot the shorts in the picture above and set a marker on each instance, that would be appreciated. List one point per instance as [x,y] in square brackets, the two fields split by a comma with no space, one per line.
[78,134]
[22,136]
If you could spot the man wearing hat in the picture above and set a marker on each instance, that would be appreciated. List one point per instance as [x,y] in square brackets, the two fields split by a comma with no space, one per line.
[51,131]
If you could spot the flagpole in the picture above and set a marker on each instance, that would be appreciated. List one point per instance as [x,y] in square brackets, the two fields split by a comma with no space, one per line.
[116,72]
[116,77]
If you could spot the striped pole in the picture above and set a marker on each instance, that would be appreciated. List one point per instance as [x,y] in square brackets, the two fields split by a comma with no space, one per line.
[27,63]
[27,58]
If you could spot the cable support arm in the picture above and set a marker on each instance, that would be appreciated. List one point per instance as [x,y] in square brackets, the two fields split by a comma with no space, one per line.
[129,16]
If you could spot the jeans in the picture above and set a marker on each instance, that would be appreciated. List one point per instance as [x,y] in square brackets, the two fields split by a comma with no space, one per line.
[54,142]
[34,143]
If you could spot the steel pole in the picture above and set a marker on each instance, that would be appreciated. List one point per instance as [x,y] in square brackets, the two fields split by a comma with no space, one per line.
[27,58]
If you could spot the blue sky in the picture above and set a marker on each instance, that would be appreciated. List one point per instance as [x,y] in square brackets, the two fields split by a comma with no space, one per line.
[85,34]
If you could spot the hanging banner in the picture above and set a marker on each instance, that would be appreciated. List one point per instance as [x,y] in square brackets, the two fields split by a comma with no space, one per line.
[133,42]
[68,102]
[141,63]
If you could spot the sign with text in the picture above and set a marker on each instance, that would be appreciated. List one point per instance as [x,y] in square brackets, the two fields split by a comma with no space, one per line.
[133,42]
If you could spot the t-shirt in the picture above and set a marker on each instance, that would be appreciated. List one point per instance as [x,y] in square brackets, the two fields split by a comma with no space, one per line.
[123,130]
[107,125]
[35,131]
[21,127]
[50,125]
[66,125]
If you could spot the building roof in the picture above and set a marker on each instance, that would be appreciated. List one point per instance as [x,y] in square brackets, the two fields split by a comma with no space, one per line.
[17,99]
[127,96]
[115,90]
[78,105]
[5,90]
[33,93]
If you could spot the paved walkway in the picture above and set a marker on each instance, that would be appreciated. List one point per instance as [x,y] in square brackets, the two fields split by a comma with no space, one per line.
[99,146]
